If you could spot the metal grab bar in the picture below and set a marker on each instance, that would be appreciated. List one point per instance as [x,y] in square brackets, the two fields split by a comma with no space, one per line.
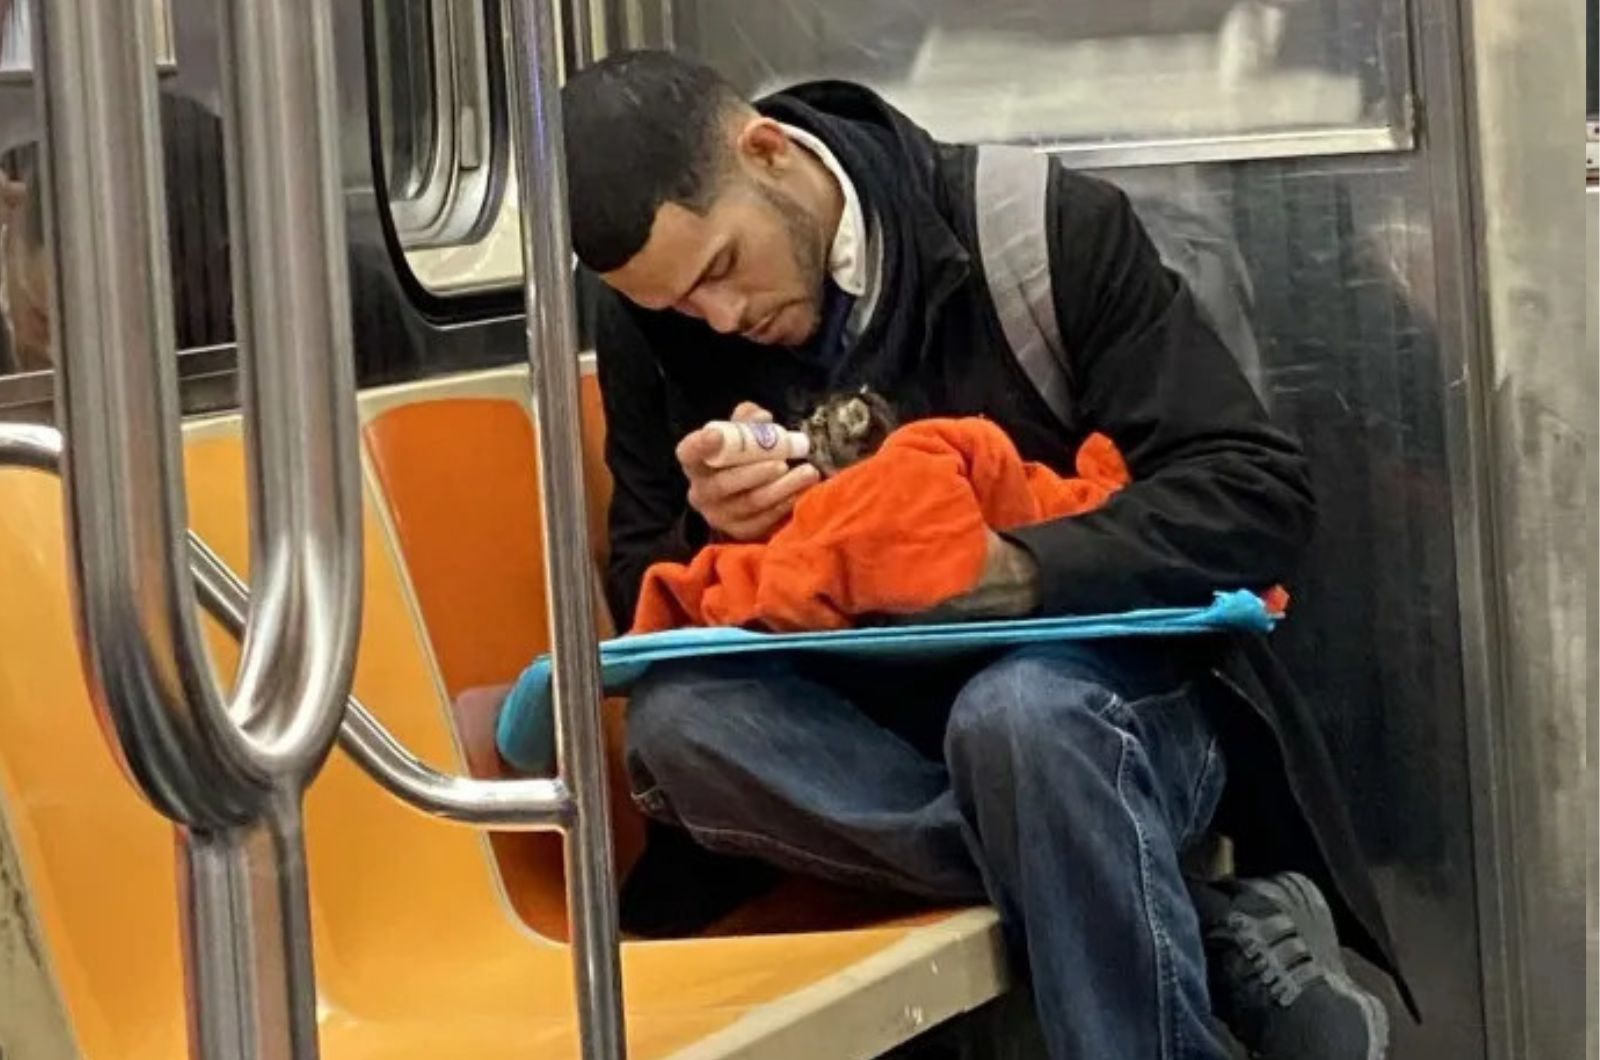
[552,337]
[497,805]
[501,805]
[230,771]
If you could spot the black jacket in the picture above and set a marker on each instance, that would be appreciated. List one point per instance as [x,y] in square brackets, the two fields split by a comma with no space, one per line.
[1221,498]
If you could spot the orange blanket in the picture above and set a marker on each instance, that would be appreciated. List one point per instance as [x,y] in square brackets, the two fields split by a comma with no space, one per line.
[899,533]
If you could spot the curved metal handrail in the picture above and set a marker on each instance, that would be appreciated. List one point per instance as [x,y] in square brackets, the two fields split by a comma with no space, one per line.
[529,804]
[495,804]
[229,769]
[186,743]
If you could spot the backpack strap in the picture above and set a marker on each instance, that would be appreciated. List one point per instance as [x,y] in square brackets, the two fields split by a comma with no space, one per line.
[1010,193]
[1014,246]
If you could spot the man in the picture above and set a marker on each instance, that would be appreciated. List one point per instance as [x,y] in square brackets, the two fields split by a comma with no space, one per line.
[754,257]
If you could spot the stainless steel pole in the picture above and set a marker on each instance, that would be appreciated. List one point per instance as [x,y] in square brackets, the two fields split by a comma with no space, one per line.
[583,24]
[553,360]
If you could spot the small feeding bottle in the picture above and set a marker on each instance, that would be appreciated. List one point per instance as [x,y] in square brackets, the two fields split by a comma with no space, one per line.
[752,443]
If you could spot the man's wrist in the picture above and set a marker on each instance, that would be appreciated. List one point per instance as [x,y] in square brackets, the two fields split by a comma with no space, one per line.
[1015,581]
[1009,587]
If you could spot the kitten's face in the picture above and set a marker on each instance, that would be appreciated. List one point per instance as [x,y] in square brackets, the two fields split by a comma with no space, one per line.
[847,428]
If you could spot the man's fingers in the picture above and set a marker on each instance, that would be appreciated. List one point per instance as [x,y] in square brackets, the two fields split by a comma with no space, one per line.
[747,501]
[699,446]
[785,490]
[696,448]
[761,526]
[718,487]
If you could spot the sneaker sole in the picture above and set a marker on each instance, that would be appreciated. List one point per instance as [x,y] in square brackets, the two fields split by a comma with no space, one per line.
[1305,905]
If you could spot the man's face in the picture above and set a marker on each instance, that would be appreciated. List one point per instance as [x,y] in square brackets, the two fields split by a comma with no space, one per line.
[753,264]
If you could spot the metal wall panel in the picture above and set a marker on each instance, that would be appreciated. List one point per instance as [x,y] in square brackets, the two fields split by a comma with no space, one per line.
[1341,256]
[1536,440]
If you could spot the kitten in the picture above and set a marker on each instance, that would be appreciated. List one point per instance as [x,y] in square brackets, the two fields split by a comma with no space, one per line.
[846,428]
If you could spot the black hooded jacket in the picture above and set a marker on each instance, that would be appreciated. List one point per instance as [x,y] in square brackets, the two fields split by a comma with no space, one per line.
[1220,499]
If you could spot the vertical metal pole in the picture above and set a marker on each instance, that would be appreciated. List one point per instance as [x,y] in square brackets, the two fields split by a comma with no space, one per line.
[583,24]
[553,359]
[669,25]
[1532,437]
[257,985]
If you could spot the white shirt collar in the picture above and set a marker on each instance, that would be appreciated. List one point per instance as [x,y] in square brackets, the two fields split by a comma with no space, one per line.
[849,262]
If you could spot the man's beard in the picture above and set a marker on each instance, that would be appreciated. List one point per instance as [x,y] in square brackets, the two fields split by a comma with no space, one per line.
[805,244]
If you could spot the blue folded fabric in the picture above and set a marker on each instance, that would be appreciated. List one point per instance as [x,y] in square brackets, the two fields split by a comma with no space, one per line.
[526,731]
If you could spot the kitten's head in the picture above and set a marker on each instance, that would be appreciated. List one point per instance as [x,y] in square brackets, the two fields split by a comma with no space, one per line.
[846,428]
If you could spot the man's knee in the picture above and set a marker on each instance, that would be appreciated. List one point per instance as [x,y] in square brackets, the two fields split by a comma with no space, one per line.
[668,712]
[1024,702]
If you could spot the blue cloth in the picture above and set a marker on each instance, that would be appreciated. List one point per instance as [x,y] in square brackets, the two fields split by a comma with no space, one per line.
[525,734]
[1059,782]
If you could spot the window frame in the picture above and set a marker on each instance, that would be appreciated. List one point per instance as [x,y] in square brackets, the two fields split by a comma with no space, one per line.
[618,24]
[463,180]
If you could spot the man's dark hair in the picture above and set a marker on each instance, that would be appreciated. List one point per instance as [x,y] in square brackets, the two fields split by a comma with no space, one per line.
[643,128]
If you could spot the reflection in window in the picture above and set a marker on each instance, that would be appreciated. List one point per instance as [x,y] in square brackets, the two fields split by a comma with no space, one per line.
[198,241]
[16,36]
[1045,72]
[197,236]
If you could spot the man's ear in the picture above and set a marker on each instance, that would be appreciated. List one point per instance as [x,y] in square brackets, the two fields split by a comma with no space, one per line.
[765,147]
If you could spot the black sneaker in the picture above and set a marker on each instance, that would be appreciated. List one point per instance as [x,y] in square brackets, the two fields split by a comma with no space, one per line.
[1277,978]
[679,888]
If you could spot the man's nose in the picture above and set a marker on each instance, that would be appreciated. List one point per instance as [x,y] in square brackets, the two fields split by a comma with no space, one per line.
[722,310]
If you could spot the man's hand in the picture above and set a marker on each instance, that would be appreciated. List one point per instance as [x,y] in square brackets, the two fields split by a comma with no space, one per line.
[1009,587]
[742,503]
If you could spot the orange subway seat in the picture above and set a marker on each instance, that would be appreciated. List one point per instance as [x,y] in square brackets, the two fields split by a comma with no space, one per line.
[461,483]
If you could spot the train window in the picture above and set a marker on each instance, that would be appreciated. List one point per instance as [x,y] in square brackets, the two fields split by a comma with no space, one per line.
[197,216]
[1109,83]
[16,37]
[439,86]
[1123,83]
[197,237]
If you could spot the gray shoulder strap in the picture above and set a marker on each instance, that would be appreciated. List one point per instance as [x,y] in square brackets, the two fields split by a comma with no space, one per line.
[1013,243]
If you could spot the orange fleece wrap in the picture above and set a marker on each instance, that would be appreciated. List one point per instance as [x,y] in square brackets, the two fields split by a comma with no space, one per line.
[899,533]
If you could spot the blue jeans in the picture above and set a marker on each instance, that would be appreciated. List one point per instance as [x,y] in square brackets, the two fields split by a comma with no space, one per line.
[1058,783]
